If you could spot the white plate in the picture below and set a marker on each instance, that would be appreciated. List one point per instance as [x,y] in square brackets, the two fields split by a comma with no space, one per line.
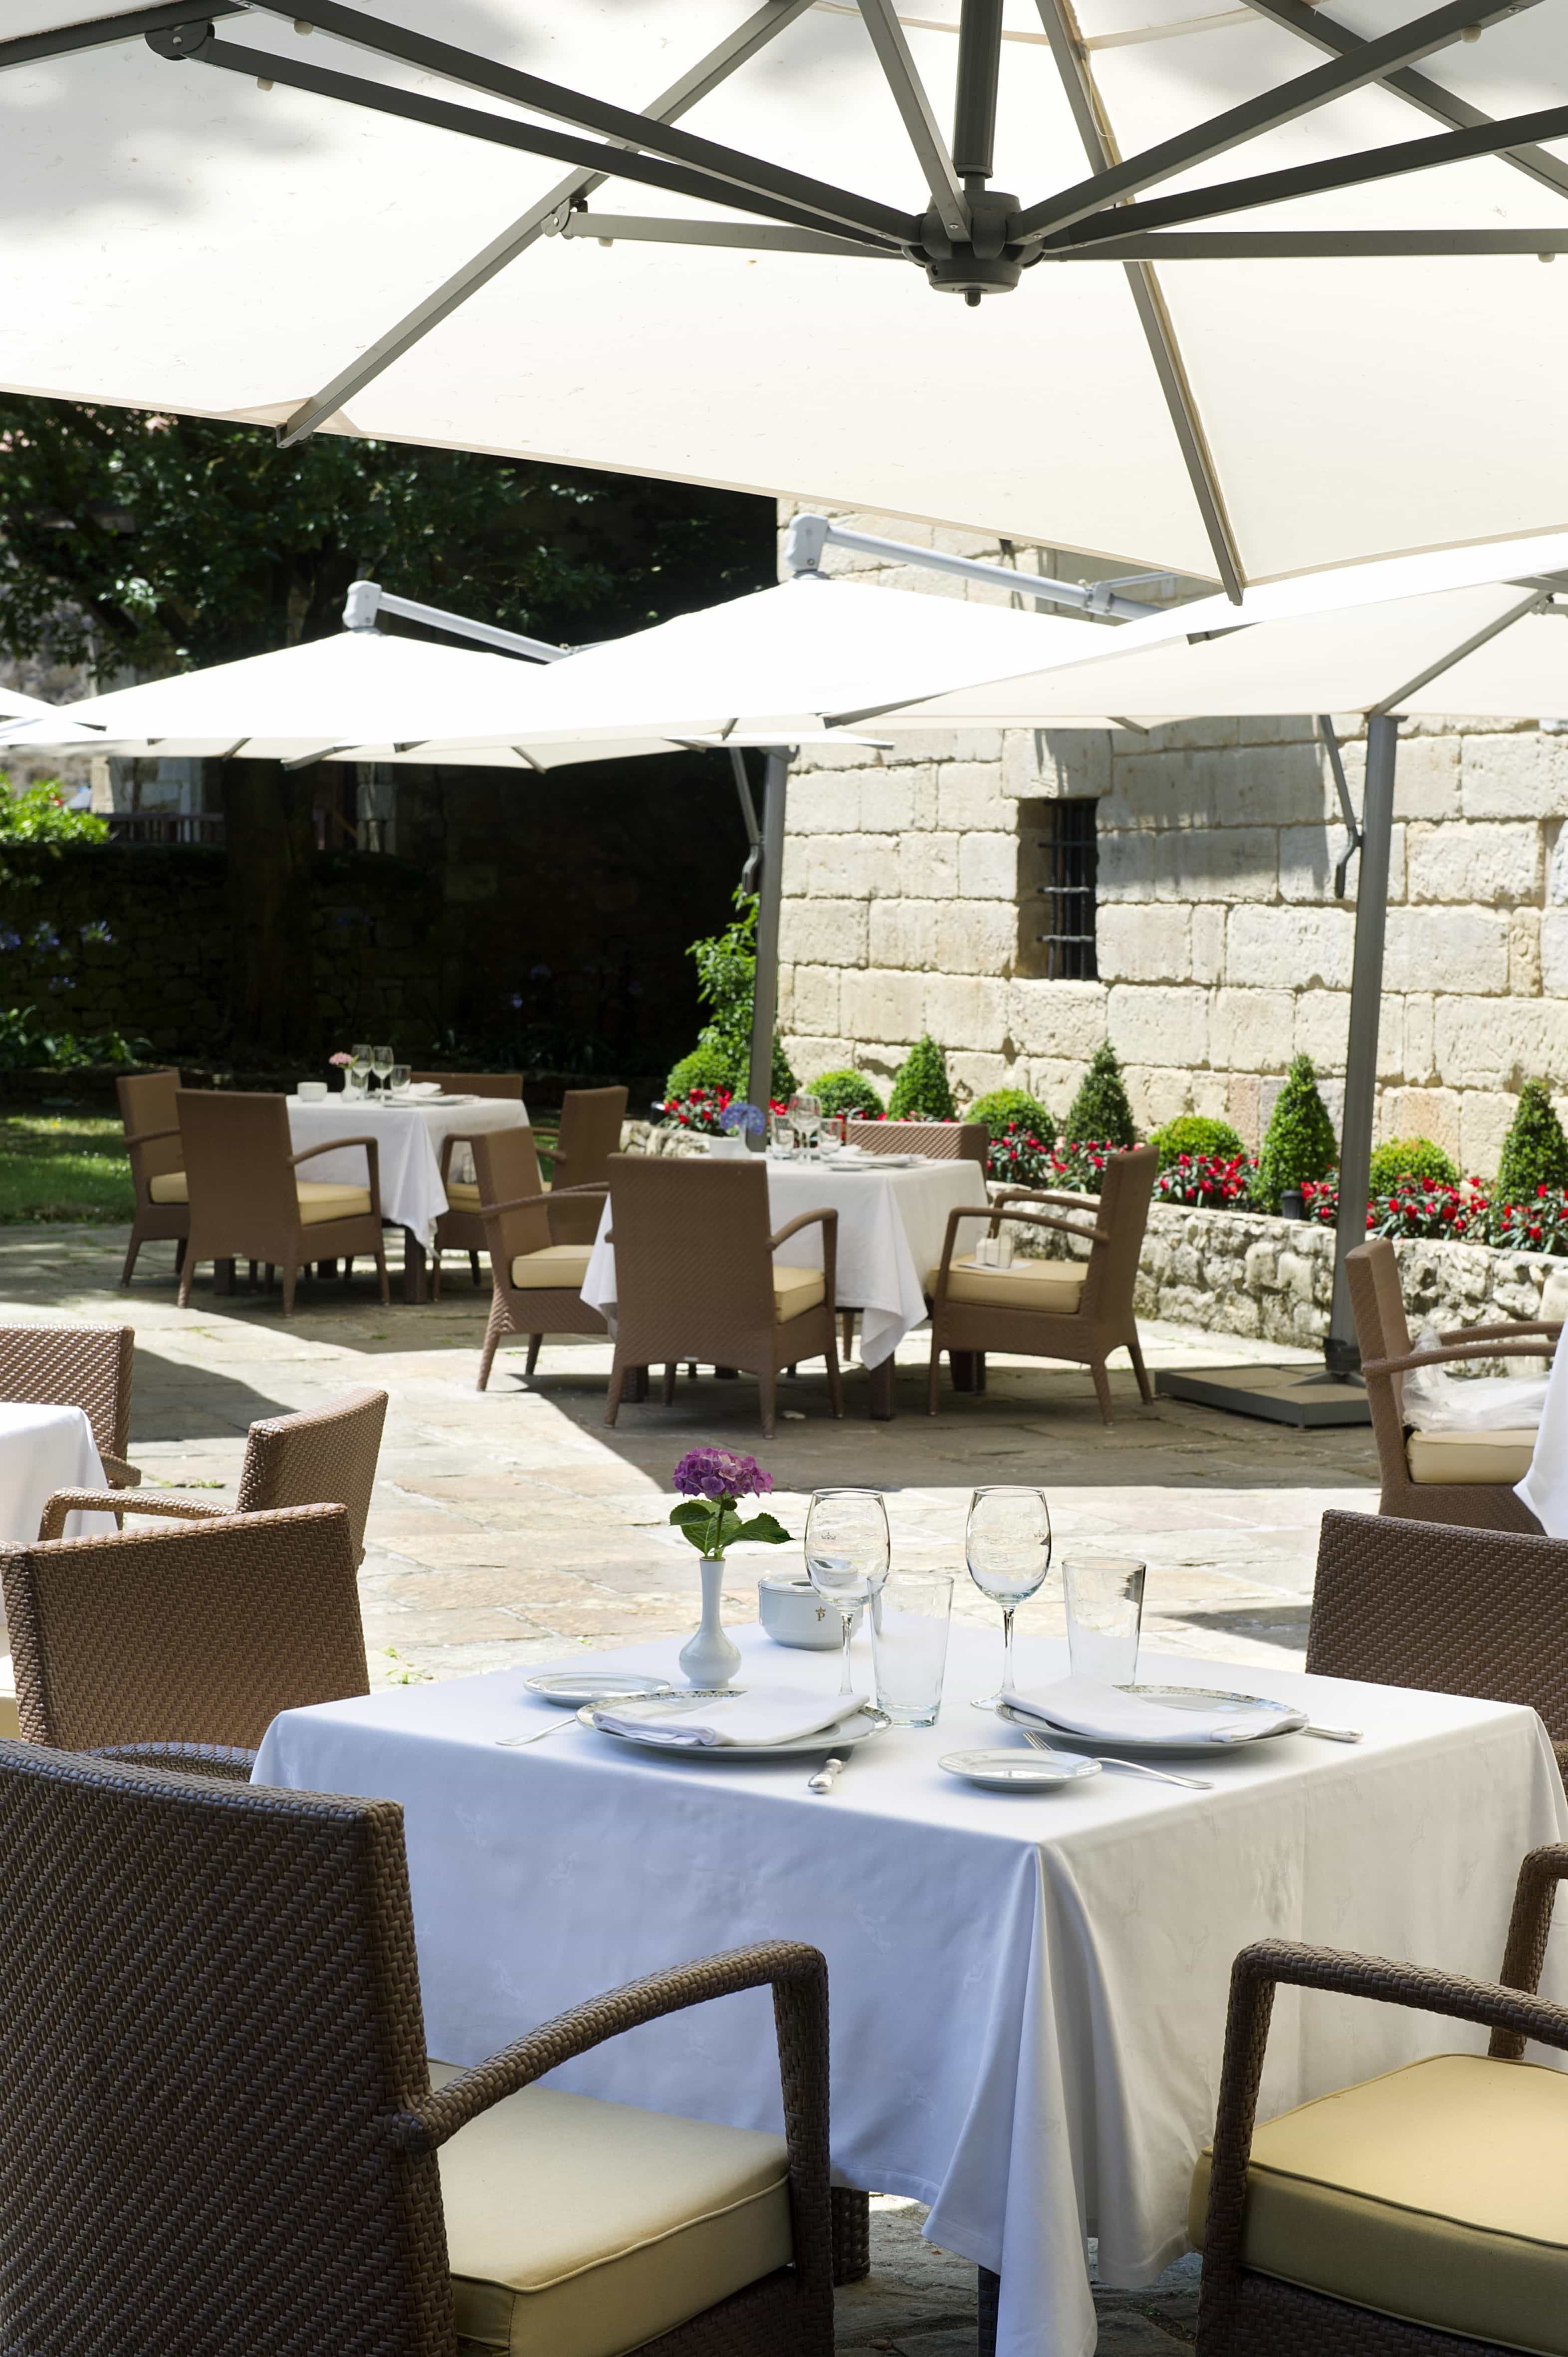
[1019,1771]
[1179,1699]
[570,1689]
[876,1162]
[864,1723]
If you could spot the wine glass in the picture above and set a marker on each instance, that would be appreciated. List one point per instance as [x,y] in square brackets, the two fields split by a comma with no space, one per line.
[399,1078]
[362,1053]
[382,1064]
[1007,1544]
[847,1548]
[806,1112]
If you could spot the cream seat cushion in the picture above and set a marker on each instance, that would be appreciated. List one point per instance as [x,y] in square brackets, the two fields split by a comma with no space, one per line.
[169,1187]
[1470,1456]
[1438,2193]
[582,2228]
[554,1268]
[323,1198]
[1053,1286]
[462,1195]
[796,1290]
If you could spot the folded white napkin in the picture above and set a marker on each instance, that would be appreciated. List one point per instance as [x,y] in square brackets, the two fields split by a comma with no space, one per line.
[1083,1707]
[762,1714]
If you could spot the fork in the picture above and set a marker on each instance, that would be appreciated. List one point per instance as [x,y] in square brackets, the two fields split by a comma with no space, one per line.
[1132,1766]
[509,1742]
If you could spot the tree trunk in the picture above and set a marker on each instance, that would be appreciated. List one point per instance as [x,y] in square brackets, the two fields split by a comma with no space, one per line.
[272,994]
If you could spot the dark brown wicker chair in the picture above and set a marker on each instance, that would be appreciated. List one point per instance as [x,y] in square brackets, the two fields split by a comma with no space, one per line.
[320,1456]
[536,1280]
[199,1634]
[1442,1477]
[227,2136]
[460,1228]
[590,1131]
[943,1141]
[1419,2214]
[1081,1310]
[1456,1611]
[696,1278]
[248,1200]
[475,1084]
[86,1367]
[150,1116]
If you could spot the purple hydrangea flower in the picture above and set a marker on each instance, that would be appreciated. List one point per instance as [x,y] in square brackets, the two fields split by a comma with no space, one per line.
[716,1473]
[740,1115]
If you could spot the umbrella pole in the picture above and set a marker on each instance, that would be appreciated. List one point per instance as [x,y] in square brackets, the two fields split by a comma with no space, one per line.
[1340,1354]
[770,888]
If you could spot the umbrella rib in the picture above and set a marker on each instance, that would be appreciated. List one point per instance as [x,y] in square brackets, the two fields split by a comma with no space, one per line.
[1310,25]
[902,76]
[736,49]
[1314,179]
[1153,316]
[1368,62]
[1312,245]
[748,173]
[99,32]
[607,229]
[474,122]
[1391,703]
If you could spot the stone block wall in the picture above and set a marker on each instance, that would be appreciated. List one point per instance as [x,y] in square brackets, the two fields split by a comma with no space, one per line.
[1221,948]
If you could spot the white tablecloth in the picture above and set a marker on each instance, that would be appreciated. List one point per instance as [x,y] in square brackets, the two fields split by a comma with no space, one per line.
[43,1450]
[892,1224]
[1027,1992]
[410,1140]
[1545,1487]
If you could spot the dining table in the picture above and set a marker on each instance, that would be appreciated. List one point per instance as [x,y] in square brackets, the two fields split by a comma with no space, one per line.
[409,1133]
[43,1450]
[1028,1989]
[892,1225]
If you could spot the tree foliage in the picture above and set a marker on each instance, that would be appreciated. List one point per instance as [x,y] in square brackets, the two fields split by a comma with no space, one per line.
[726,984]
[1535,1152]
[1101,1111]
[922,1090]
[1300,1143]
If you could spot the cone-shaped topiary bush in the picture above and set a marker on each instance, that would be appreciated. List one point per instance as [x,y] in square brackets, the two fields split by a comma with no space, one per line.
[1193,1134]
[922,1090]
[1535,1152]
[1409,1157]
[846,1091]
[1101,1111]
[1300,1144]
[1005,1109]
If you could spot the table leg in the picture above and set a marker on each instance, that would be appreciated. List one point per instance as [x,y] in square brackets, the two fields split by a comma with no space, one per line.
[964,1375]
[883,1409]
[414,1287]
[852,2234]
[634,1391]
[222,1277]
[990,2292]
[325,1268]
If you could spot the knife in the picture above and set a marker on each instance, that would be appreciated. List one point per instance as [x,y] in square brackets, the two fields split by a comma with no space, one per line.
[826,1776]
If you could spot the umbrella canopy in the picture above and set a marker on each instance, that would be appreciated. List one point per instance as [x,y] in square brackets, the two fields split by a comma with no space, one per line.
[1320,334]
[24,721]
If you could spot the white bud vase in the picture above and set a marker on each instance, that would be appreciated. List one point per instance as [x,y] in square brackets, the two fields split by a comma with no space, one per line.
[710,1659]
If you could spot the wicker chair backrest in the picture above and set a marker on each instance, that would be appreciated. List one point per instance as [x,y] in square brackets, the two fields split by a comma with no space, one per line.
[1124,1210]
[209,2028]
[237,1168]
[1455,1611]
[692,1251]
[590,1133]
[86,1367]
[192,1632]
[149,1101]
[505,1163]
[477,1084]
[1377,1303]
[944,1141]
[324,1456]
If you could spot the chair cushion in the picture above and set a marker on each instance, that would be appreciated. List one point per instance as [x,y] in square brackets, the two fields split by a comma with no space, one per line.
[1470,1456]
[796,1290]
[554,1268]
[1437,2193]
[323,1198]
[581,2229]
[462,1195]
[169,1187]
[1051,1285]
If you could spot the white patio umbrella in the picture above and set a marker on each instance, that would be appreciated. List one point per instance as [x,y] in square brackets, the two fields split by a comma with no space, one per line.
[23,717]
[1320,334]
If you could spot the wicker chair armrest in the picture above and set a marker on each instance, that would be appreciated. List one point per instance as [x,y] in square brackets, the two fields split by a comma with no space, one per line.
[372,1146]
[1529,1926]
[1513,1329]
[802,1219]
[1038,1195]
[1464,1354]
[149,1136]
[63,1502]
[118,1473]
[225,1759]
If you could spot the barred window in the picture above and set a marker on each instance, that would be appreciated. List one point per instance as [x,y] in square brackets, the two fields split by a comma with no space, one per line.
[1058,866]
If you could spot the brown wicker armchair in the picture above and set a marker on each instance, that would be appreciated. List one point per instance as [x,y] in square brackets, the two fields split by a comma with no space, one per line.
[228,2137]
[460,1228]
[86,1367]
[1081,1310]
[696,1278]
[149,1109]
[248,1200]
[536,1280]
[1448,1477]
[1418,2214]
[1456,1611]
[195,1635]
[320,1456]
[943,1141]
[590,1131]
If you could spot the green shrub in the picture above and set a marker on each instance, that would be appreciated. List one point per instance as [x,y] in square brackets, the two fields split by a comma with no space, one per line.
[922,1090]
[727,984]
[707,1067]
[1300,1144]
[1100,1110]
[1535,1152]
[848,1092]
[1409,1157]
[1194,1134]
[1005,1109]
[40,814]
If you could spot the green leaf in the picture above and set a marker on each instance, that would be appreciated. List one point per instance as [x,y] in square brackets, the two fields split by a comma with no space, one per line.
[692,1511]
[700,1539]
[764,1528]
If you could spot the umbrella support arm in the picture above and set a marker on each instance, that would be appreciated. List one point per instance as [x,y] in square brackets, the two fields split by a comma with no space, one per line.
[365,599]
[765,994]
[810,535]
[749,874]
[1347,807]
[1340,1354]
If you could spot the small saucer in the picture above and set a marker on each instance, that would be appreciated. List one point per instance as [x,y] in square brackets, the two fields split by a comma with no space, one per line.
[571,1689]
[1018,1772]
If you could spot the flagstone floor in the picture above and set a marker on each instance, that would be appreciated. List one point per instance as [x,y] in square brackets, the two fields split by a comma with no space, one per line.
[514,1526]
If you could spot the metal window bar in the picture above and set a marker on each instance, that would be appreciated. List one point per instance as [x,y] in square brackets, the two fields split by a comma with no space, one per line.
[1071,861]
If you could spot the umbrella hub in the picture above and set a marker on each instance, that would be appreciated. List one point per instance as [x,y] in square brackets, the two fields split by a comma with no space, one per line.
[984,264]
